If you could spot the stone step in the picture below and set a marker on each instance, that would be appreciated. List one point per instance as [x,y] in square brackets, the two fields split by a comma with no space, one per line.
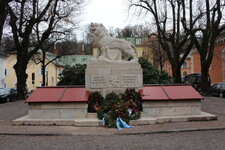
[85,122]
[92,115]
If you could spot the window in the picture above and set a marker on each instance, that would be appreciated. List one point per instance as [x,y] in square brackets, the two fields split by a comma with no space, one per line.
[218,86]
[33,78]
[184,65]
[214,86]
[144,53]
[5,72]
[138,41]
[41,71]
[84,59]
[223,86]
[74,59]
[59,71]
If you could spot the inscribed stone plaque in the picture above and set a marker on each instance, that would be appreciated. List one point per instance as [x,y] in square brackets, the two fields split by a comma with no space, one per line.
[113,81]
[98,81]
[129,80]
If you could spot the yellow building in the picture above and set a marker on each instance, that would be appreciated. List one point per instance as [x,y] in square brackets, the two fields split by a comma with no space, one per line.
[52,73]
[145,51]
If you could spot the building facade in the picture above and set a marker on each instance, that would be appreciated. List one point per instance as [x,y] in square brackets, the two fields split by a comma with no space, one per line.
[34,72]
[192,64]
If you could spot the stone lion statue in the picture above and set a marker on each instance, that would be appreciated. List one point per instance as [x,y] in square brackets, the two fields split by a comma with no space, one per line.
[110,48]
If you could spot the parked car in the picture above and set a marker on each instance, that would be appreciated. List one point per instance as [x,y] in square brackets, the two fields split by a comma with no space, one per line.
[195,79]
[7,94]
[217,89]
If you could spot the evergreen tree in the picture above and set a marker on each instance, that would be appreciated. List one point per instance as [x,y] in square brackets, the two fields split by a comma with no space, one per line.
[151,75]
[74,75]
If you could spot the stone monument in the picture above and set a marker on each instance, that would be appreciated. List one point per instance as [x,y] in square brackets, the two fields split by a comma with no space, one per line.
[112,70]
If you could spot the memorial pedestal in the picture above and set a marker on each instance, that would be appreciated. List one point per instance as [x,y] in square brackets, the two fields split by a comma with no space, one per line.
[114,76]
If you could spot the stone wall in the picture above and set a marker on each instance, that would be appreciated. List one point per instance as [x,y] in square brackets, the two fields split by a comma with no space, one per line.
[57,110]
[171,108]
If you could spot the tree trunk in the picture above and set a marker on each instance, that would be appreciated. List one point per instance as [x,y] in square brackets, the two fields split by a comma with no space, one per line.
[161,69]
[176,73]
[205,81]
[21,79]
[43,68]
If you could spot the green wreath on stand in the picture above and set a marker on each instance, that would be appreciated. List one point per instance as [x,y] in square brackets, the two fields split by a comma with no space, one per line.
[95,99]
[126,106]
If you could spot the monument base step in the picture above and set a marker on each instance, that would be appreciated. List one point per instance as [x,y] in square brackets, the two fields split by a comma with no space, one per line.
[84,122]
[92,121]
[92,115]
[203,116]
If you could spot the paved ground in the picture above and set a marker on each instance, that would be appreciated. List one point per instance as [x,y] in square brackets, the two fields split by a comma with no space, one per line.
[203,140]
[159,136]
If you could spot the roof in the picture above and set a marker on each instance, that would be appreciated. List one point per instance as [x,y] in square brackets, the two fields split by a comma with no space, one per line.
[58,94]
[72,60]
[169,92]
[51,56]
[79,94]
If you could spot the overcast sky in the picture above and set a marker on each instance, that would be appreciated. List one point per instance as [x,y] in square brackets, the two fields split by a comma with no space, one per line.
[111,13]
[108,12]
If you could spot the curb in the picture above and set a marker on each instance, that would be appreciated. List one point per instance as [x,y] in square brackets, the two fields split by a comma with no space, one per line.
[172,131]
[107,133]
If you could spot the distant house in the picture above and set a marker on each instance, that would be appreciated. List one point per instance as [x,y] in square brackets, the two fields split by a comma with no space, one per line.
[34,69]
[72,60]
[192,64]
[217,68]
[34,72]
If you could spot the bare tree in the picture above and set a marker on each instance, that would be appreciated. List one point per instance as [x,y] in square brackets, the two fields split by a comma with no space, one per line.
[203,24]
[30,17]
[41,59]
[167,16]
[159,56]
[3,15]
[7,44]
